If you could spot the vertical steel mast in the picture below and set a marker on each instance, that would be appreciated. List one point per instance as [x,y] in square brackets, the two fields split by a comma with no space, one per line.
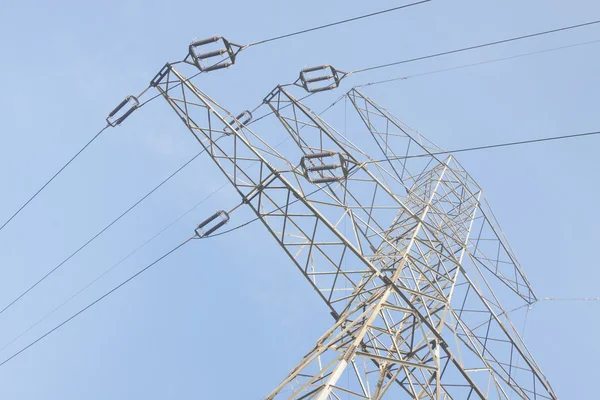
[414,280]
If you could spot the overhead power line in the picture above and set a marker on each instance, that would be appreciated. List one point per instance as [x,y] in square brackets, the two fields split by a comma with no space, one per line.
[556,299]
[107,271]
[437,71]
[478,46]
[316,28]
[97,300]
[53,176]
[491,146]
[99,233]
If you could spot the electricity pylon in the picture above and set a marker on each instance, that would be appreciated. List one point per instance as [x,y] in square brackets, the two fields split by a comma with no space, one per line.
[400,245]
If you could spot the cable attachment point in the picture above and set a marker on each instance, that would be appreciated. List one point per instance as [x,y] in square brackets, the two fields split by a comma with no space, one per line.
[238,122]
[224,218]
[122,111]
[319,79]
[213,53]
[316,170]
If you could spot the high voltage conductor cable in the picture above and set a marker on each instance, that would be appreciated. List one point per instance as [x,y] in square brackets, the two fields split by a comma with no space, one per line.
[97,300]
[437,71]
[490,146]
[478,46]
[107,271]
[336,23]
[198,236]
[99,233]
[52,178]
[326,77]
[556,299]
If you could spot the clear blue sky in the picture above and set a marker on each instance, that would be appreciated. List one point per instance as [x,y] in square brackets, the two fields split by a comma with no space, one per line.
[230,317]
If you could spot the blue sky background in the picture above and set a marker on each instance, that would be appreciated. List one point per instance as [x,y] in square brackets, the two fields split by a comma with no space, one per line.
[229,317]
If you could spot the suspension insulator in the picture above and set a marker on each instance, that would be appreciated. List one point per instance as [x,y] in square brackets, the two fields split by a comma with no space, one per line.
[319,79]
[323,168]
[238,122]
[222,57]
[206,228]
[122,111]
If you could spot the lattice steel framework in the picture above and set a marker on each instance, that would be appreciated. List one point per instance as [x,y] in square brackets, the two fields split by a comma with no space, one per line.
[413,281]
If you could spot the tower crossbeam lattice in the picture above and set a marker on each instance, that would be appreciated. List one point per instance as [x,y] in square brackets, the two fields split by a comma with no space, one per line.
[400,245]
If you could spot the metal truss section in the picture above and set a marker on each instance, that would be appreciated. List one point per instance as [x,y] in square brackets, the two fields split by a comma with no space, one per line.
[407,153]
[395,250]
[435,274]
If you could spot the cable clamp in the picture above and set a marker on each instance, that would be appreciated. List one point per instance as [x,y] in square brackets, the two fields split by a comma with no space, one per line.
[203,230]
[122,111]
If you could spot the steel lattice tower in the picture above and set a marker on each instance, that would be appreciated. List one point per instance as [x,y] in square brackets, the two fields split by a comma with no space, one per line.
[414,279]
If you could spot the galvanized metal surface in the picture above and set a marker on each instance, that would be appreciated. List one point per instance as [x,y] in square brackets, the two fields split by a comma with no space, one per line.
[415,281]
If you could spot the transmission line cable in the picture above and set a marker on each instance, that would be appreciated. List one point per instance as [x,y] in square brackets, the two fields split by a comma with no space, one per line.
[53,177]
[478,46]
[99,233]
[107,271]
[114,289]
[97,300]
[401,78]
[490,146]
[556,299]
[336,23]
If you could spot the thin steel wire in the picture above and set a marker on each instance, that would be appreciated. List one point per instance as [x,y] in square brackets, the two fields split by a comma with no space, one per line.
[402,78]
[478,46]
[490,146]
[96,301]
[53,177]
[336,23]
[122,260]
